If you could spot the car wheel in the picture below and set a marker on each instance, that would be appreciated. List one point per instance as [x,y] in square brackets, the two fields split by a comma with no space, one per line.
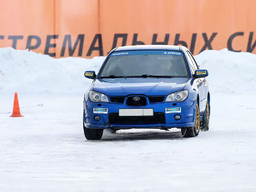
[192,131]
[206,118]
[92,134]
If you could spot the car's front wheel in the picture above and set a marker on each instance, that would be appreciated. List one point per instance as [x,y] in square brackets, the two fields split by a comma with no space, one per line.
[192,131]
[93,134]
[206,118]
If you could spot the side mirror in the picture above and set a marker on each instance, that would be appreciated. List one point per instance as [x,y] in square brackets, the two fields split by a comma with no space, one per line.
[201,73]
[90,74]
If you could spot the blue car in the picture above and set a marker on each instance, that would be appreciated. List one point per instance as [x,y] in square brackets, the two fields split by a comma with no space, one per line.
[147,86]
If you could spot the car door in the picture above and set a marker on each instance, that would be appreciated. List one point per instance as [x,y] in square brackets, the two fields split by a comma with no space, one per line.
[200,83]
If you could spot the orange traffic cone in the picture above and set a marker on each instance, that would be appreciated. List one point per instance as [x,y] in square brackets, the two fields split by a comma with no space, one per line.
[16,107]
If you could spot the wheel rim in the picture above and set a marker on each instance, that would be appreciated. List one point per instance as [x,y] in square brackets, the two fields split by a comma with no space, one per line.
[197,120]
[207,114]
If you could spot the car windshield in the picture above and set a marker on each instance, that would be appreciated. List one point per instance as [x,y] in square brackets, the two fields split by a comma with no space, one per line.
[128,64]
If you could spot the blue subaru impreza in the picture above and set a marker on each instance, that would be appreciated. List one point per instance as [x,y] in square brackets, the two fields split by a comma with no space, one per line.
[147,86]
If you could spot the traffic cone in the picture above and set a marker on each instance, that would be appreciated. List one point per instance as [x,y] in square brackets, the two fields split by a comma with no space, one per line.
[16,107]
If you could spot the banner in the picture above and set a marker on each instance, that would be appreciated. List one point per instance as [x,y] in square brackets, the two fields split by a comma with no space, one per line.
[88,28]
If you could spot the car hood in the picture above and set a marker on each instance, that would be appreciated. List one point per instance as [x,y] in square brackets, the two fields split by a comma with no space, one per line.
[145,86]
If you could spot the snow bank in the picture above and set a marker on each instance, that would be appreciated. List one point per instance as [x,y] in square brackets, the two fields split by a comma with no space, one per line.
[29,72]
[229,71]
[26,71]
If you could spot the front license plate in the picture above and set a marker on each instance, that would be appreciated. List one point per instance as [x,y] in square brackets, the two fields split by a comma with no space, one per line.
[136,112]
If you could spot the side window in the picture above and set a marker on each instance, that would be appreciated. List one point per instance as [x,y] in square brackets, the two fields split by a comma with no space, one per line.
[193,60]
[191,65]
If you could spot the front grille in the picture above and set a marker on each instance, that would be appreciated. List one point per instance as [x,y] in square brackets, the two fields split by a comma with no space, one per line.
[117,99]
[156,99]
[141,102]
[158,118]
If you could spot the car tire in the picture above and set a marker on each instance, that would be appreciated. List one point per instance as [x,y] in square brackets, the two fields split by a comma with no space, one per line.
[206,118]
[92,134]
[192,131]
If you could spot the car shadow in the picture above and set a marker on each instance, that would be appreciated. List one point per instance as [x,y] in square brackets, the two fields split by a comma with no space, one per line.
[142,135]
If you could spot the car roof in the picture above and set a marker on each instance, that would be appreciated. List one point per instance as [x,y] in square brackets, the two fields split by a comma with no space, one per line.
[155,47]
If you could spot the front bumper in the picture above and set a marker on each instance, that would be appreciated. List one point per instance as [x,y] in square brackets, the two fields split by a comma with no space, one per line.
[161,118]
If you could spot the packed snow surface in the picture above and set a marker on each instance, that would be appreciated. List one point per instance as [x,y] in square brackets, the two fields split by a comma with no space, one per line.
[46,150]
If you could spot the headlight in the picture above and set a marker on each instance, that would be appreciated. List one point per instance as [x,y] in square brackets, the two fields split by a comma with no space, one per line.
[97,97]
[177,97]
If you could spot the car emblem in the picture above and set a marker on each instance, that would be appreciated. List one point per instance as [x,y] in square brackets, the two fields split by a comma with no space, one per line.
[136,98]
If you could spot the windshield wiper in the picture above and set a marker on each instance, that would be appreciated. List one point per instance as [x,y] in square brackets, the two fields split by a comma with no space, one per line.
[157,76]
[137,76]
[112,76]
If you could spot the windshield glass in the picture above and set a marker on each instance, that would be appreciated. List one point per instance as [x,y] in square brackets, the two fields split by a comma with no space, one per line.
[147,63]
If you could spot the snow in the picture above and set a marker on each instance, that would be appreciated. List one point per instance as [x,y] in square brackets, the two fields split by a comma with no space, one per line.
[46,150]
[230,72]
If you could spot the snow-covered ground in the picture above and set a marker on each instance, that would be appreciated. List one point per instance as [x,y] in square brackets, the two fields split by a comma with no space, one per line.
[46,150]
